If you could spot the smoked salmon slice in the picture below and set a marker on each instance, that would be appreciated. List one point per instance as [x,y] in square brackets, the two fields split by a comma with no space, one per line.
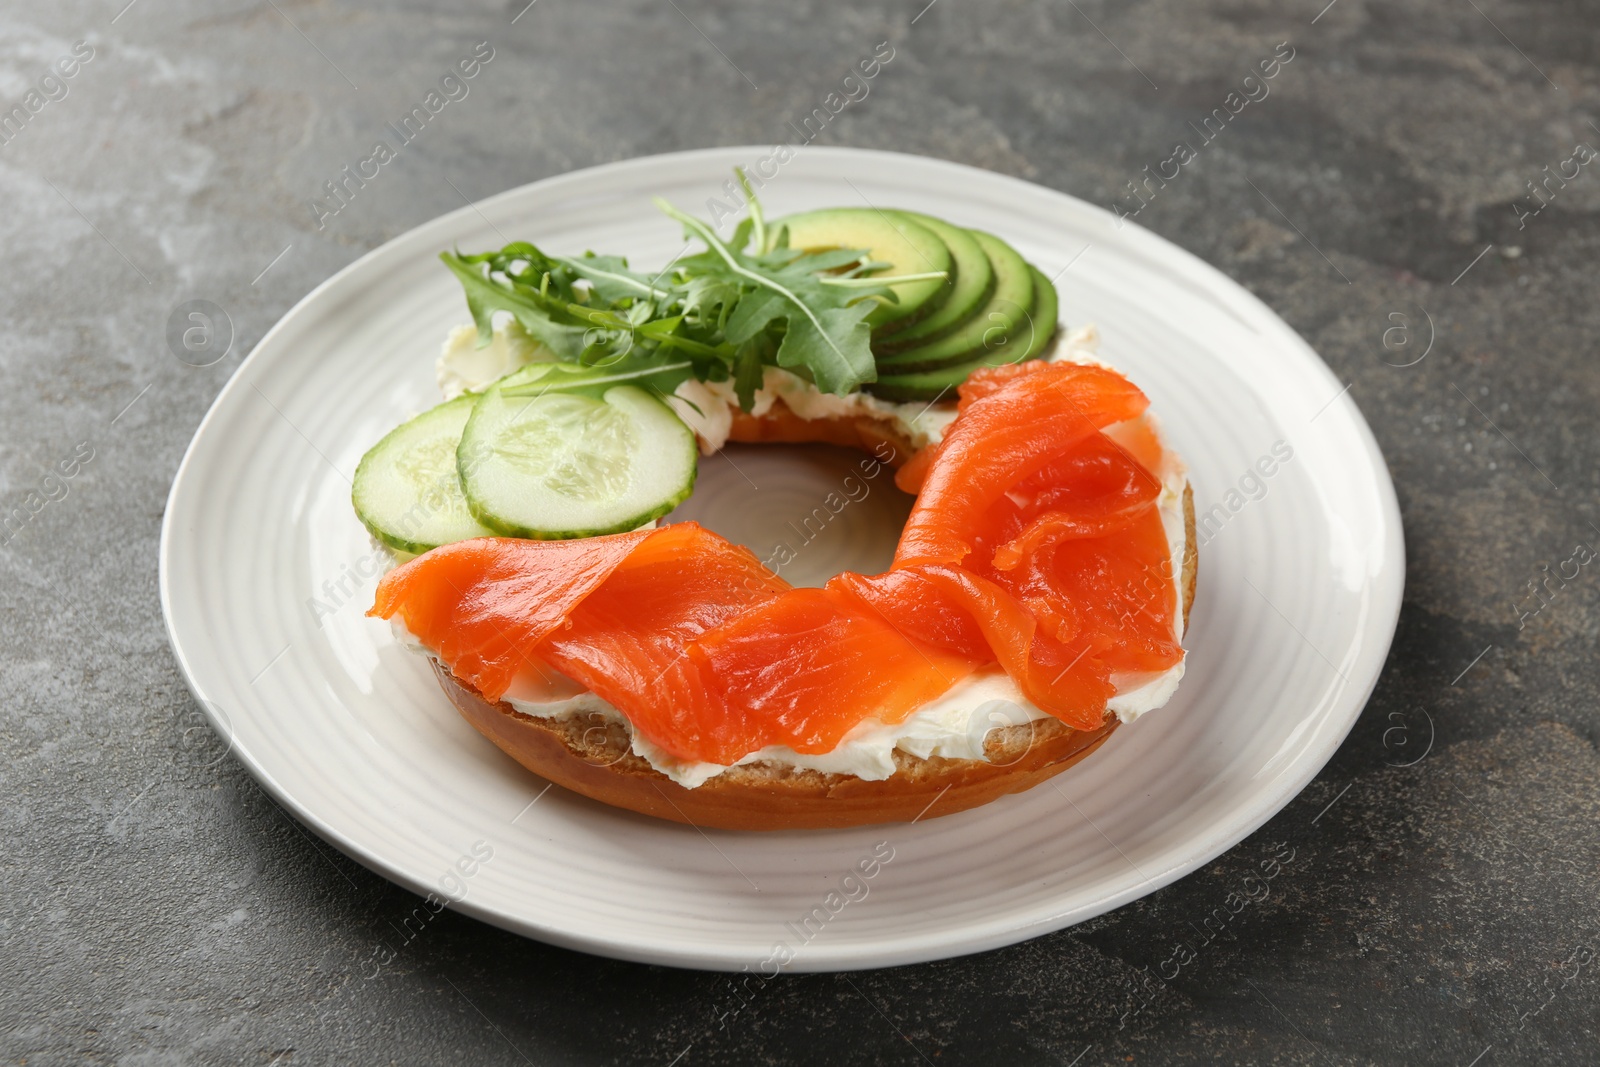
[1007,430]
[1036,543]
[483,605]
[1028,510]
[712,657]
[801,670]
[629,640]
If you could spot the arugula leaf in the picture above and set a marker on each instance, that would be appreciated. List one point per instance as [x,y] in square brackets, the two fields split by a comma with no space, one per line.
[610,277]
[709,298]
[749,371]
[809,341]
[825,336]
[757,218]
[754,314]
[533,312]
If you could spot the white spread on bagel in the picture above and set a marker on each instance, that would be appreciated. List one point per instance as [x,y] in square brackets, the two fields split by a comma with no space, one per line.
[954,724]
[463,366]
[708,408]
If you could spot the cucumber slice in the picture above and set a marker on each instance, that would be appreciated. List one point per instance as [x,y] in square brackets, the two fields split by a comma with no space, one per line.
[975,338]
[558,465]
[406,491]
[968,290]
[889,238]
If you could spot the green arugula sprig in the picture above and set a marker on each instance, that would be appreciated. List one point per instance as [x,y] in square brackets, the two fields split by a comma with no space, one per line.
[724,313]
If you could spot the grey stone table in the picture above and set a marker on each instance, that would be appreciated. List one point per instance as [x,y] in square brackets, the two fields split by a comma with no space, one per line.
[1418,174]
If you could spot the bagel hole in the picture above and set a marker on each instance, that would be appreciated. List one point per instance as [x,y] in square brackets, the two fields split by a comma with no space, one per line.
[808,512]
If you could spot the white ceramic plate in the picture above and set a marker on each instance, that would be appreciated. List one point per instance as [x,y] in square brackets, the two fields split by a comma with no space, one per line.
[265,575]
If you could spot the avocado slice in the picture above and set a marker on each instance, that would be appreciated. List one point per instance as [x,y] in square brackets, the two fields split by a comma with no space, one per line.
[1044,319]
[888,237]
[968,290]
[931,385]
[1007,306]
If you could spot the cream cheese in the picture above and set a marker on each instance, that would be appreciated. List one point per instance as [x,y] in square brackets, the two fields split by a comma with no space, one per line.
[953,725]
[708,408]
[463,366]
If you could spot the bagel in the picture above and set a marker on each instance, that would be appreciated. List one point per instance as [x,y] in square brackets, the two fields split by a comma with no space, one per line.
[726,748]
[598,762]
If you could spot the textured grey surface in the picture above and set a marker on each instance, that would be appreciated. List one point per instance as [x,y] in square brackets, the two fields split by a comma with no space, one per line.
[158,907]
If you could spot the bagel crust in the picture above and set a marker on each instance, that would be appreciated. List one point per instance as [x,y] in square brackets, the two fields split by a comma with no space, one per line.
[596,759]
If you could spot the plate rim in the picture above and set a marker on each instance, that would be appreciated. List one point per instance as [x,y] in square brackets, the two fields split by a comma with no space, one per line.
[1386,588]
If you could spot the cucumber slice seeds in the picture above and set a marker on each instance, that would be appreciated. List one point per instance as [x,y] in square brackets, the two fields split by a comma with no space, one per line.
[563,464]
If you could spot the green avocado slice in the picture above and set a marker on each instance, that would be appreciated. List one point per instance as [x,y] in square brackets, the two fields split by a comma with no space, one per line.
[1040,327]
[888,237]
[1006,308]
[969,290]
